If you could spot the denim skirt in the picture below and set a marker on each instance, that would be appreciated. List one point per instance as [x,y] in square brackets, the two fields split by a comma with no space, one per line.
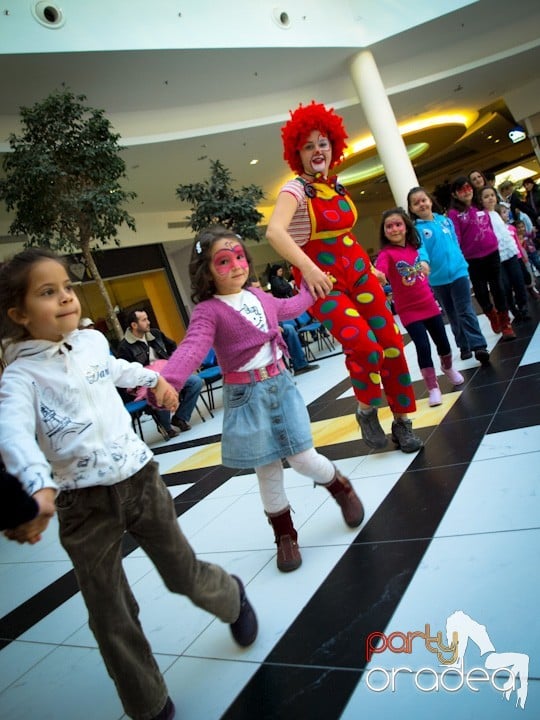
[263,421]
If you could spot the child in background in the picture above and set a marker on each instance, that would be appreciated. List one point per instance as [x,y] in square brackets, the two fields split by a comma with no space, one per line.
[449,273]
[480,247]
[265,416]
[523,258]
[512,275]
[64,429]
[413,297]
[526,241]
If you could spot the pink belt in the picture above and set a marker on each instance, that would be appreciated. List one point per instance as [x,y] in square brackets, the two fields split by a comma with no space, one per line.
[248,376]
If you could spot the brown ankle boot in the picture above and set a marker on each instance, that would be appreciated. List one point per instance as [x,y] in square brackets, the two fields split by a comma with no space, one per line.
[288,554]
[343,493]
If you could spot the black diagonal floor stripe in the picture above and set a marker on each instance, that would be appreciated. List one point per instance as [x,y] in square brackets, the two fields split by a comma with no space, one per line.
[325,646]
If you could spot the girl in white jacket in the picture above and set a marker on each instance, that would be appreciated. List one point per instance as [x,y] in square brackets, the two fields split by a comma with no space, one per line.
[64,429]
[512,275]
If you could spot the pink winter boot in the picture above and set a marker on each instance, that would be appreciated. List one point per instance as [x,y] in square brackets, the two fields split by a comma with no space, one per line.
[430,378]
[454,376]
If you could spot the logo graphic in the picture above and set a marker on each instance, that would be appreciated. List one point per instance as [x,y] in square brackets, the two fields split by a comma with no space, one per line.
[506,672]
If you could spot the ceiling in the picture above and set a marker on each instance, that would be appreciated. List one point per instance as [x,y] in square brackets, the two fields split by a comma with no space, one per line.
[177,108]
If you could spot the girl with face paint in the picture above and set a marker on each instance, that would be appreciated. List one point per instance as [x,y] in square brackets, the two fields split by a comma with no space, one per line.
[265,418]
[413,298]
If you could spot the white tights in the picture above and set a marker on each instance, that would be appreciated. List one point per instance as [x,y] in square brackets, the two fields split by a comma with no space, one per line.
[271,477]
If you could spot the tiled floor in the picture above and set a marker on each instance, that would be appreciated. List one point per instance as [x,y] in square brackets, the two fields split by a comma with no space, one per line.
[455,527]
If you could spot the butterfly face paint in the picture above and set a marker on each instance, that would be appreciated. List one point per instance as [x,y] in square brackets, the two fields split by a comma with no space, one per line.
[229,266]
[395,229]
[228,258]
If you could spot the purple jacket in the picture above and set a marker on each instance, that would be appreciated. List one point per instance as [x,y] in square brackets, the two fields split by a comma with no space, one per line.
[474,232]
[235,339]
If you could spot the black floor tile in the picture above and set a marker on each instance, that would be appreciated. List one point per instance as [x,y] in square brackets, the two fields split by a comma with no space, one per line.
[294,693]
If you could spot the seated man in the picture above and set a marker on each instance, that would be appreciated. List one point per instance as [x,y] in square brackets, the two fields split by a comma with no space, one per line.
[144,344]
[298,357]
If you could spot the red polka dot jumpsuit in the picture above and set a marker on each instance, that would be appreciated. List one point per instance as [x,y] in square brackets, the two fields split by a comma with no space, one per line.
[355,311]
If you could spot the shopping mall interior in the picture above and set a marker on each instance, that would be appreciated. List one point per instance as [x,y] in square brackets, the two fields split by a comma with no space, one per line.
[451,533]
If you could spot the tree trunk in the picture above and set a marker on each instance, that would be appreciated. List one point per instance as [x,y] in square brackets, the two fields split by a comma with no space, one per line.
[94,272]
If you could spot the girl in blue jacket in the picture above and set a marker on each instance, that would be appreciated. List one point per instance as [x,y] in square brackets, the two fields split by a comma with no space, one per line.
[449,276]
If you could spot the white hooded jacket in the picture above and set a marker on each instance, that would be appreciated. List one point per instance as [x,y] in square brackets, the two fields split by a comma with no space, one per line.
[62,422]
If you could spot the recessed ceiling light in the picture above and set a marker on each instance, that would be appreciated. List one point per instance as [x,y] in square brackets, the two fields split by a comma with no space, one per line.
[253,162]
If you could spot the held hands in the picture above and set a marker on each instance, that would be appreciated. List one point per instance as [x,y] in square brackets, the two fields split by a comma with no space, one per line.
[30,532]
[165,395]
[381,277]
[319,283]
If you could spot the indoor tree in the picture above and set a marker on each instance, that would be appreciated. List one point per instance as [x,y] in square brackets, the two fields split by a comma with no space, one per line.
[63,181]
[215,201]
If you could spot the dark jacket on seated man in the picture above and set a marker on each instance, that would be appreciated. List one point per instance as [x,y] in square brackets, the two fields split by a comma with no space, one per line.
[144,345]
[135,350]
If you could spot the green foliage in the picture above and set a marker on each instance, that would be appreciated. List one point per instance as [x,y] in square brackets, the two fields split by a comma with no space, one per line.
[62,176]
[214,201]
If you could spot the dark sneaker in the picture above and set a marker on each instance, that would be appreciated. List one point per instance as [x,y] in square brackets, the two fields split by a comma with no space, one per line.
[465,354]
[404,437]
[244,629]
[370,427]
[305,369]
[182,425]
[482,356]
[167,712]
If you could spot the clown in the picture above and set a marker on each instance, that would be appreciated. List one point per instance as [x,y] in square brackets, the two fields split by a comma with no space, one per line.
[311,227]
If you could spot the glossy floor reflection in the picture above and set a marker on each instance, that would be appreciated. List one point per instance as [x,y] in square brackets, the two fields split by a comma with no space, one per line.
[452,529]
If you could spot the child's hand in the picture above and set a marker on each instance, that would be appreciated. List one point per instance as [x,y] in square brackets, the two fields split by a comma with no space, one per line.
[30,532]
[425,267]
[381,277]
[166,396]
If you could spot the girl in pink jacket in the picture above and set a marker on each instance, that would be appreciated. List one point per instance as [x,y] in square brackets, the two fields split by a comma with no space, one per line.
[265,417]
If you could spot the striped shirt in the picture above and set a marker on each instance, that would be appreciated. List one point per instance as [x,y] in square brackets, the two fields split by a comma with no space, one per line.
[300,227]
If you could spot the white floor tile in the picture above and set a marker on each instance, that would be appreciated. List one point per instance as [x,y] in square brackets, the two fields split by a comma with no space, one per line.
[495,496]
[222,682]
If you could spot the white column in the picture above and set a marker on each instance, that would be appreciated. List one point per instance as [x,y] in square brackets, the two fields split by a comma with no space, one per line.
[382,123]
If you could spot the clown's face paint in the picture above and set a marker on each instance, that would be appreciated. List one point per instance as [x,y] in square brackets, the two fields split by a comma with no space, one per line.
[316,154]
[229,266]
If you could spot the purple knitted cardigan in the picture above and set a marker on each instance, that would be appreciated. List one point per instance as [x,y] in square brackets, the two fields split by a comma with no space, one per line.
[235,339]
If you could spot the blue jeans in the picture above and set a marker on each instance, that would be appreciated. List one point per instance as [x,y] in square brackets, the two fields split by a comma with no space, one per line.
[456,300]
[534,260]
[188,397]
[418,332]
[294,345]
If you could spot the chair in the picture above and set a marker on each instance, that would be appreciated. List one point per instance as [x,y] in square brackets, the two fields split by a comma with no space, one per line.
[307,326]
[211,373]
[136,408]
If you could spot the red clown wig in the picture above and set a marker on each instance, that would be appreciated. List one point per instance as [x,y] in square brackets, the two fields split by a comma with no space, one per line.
[303,121]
